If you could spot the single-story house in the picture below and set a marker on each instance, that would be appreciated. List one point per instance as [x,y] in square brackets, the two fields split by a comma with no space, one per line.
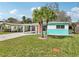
[53,28]
[58,28]
[22,27]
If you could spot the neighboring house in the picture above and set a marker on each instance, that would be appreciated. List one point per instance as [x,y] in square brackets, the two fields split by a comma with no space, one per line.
[58,28]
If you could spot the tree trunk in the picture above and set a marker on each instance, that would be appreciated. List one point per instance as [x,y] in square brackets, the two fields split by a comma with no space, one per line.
[41,25]
[42,30]
[46,27]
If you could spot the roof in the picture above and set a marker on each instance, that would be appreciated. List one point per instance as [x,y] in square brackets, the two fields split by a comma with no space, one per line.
[58,22]
[21,24]
[1,21]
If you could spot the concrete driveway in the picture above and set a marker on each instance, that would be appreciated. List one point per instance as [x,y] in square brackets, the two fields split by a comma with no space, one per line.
[13,35]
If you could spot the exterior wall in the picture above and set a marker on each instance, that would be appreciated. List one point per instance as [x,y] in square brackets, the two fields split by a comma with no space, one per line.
[12,28]
[7,26]
[52,27]
[51,30]
[57,32]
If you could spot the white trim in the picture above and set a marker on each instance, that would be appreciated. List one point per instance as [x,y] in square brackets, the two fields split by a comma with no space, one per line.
[51,27]
[59,35]
[58,22]
[54,27]
[22,24]
[66,27]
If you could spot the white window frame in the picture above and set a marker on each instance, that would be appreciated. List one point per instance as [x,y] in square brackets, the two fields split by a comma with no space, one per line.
[60,27]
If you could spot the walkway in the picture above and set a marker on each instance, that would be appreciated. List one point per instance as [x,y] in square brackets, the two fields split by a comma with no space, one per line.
[13,35]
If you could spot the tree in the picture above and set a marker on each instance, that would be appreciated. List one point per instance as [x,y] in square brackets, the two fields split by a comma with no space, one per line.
[43,14]
[28,20]
[37,17]
[73,27]
[12,20]
[48,15]
[62,17]
[23,19]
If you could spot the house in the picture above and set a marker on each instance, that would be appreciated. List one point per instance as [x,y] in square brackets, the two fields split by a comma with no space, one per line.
[22,27]
[53,28]
[58,28]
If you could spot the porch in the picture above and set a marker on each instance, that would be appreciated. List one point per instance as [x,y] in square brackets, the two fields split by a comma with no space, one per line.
[25,28]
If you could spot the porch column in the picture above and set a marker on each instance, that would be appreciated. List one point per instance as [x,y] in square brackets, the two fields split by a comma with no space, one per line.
[1,28]
[23,28]
[36,29]
[30,28]
[17,28]
[10,29]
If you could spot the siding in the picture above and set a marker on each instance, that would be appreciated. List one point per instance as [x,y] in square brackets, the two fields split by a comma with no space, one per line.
[51,30]
[54,27]
[57,32]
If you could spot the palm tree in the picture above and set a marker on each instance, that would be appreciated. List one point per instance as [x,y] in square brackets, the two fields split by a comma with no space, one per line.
[24,19]
[48,15]
[43,14]
[37,17]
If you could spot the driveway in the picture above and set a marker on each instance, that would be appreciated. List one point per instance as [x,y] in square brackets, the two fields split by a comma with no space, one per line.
[13,35]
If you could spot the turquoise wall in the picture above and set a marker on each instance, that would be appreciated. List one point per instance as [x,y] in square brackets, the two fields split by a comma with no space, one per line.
[57,32]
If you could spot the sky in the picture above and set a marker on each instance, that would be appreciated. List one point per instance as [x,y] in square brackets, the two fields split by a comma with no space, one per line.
[19,9]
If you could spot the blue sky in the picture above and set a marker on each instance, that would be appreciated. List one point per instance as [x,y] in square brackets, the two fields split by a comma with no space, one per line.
[18,9]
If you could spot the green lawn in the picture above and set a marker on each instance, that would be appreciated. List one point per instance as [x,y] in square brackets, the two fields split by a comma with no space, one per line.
[4,33]
[32,46]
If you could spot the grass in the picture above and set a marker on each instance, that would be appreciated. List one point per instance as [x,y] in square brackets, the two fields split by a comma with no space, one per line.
[32,46]
[4,33]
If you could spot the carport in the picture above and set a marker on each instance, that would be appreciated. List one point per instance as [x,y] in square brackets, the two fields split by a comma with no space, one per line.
[32,28]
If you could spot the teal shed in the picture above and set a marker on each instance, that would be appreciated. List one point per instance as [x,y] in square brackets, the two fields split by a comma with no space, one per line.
[58,28]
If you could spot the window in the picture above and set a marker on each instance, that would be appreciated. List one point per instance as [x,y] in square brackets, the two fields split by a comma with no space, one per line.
[60,26]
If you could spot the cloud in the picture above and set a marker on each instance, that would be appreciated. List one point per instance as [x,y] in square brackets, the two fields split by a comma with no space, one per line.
[1,19]
[0,16]
[39,7]
[35,8]
[21,15]
[75,9]
[1,13]
[13,11]
[9,12]
[74,13]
